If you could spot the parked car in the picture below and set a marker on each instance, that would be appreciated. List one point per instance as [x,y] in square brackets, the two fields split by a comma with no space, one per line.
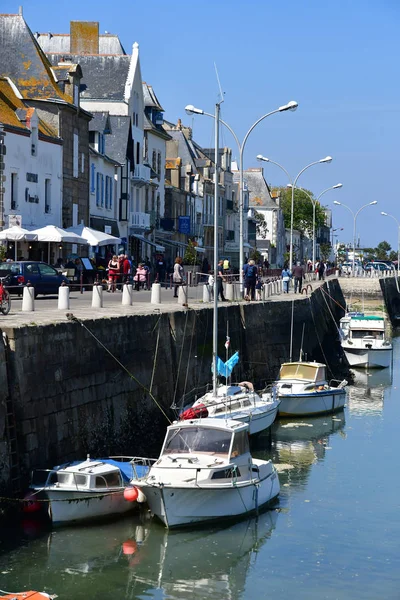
[43,277]
[379,266]
[347,267]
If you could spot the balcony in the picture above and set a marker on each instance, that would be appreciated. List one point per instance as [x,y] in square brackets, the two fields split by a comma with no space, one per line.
[208,221]
[141,175]
[139,221]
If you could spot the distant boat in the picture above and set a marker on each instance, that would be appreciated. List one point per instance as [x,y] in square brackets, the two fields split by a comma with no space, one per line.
[302,389]
[205,472]
[83,491]
[364,341]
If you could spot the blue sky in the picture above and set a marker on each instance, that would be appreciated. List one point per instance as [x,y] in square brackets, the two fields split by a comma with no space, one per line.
[339,60]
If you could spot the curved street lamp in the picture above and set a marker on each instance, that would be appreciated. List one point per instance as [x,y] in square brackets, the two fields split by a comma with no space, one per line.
[385,214]
[355,215]
[327,159]
[192,110]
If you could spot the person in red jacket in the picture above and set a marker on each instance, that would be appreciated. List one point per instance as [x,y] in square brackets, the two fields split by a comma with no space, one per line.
[126,269]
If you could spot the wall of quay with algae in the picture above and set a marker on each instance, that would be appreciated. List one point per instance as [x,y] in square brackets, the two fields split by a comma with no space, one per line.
[71,398]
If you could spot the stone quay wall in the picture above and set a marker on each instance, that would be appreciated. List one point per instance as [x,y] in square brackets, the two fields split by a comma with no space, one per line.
[69,397]
[391,297]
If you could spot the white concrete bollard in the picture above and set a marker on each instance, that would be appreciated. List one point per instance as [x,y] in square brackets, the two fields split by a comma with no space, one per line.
[229,291]
[268,290]
[206,293]
[337,273]
[97,296]
[182,295]
[155,293]
[127,294]
[28,299]
[63,297]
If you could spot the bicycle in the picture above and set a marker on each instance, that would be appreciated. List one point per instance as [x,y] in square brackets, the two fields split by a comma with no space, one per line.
[5,299]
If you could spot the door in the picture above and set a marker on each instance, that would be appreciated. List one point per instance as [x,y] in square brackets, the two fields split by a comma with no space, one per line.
[49,279]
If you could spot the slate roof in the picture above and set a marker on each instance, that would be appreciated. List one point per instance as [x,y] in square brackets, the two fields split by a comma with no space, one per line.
[15,113]
[23,60]
[117,142]
[259,193]
[100,122]
[104,77]
[59,43]
[150,98]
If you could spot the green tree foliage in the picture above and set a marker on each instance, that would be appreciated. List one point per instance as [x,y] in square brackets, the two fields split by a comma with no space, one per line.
[393,255]
[369,253]
[191,256]
[382,249]
[302,210]
[341,253]
[261,225]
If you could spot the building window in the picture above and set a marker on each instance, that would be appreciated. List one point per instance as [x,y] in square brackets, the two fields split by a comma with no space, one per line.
[111,192]
[92,179]
[146,200]
[108,191]
[75,155]
[159,164]
[47,195]
[98,189]
[154,161]
[137,153]
[14,191]
[153,200]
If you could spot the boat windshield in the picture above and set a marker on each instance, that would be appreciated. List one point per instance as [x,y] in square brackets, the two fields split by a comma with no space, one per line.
[302,371]
[360,333]
[197,439]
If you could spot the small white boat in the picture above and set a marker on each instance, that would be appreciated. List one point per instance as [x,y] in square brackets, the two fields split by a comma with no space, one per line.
[302,389]
[205,472]
[364,341]
[84,491]
[239,402]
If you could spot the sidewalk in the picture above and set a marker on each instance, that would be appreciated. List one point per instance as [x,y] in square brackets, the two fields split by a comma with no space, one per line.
[46,311]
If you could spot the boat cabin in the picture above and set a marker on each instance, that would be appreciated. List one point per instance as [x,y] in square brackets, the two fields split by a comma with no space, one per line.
[367,326]
[84,475]
[224,439]
[303,371]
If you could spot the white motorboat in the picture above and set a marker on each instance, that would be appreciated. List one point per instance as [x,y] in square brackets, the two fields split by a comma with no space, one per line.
[84,491]
[302,389]
[205,472]
[364,341]
[239,402]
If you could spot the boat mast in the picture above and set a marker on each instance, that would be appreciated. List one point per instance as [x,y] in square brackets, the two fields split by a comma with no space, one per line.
[215,313]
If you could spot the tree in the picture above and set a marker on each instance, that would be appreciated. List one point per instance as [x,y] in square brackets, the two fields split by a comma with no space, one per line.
[191,256]
[261,225]
[302,210]
[325,251]
[341,253]
[369,253]
[382,249]
[393,255]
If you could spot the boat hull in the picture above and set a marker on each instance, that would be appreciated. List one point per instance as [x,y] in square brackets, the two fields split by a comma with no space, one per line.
[312,404]
[258,420]
[190,505]
[369,358]
[67,507]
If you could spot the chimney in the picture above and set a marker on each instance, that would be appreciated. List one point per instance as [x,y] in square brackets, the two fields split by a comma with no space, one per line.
[84,37]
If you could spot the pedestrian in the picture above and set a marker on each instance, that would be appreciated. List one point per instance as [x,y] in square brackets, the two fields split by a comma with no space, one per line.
[210,284]
[140,277]
[321,270]
[205,267]
[298,273]
[126,269]
[220,279]
[178,275]
[160,269]
[286,276]
[113,273]
[226,266]
[250,279]
[259,288]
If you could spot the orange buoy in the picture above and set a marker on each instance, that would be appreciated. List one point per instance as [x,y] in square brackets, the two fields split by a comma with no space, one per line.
[131,494]
[30,504]
[129,547]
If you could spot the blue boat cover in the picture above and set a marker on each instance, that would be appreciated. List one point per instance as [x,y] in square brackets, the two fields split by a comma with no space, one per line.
[126,468]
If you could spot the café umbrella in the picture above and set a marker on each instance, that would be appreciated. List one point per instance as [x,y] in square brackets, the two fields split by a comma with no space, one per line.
[95,237]
[51,233]
[17,234]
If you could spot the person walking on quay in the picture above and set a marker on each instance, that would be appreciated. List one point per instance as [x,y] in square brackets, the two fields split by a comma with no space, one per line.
[250,279]
[286,276]
[321,270]
[210,284]
[178,275]
[220,279]
[113,273]
[298,277]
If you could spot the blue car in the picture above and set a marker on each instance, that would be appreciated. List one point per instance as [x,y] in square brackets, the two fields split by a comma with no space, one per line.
[43,277]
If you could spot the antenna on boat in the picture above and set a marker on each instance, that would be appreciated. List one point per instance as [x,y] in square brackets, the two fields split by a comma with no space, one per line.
[301,345]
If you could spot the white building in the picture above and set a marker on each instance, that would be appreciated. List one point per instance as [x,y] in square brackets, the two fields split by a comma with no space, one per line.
[31,164]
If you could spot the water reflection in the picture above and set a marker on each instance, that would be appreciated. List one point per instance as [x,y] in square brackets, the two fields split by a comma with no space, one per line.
[367,393]
[136,556]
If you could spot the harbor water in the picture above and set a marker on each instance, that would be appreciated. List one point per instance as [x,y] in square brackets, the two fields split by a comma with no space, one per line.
[334,533]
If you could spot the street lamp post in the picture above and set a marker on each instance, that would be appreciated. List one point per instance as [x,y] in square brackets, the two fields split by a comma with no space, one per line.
[314,203]
[327,159]
[355,215]
[385,214]
[192,110]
